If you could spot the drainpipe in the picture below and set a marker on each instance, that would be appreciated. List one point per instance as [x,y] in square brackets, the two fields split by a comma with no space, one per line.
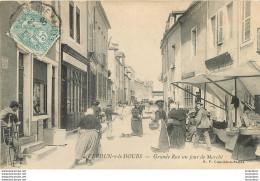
[59,77]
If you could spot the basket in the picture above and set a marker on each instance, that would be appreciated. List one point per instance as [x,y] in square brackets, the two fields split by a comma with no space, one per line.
[153,125]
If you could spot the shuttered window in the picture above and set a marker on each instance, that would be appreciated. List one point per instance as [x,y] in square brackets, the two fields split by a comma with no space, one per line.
[71,19]
[246,20]
[188,98]
[78,25]
[220,27]
[258,39]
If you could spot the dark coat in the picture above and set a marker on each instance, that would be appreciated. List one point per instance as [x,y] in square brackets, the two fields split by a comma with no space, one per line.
[97,111]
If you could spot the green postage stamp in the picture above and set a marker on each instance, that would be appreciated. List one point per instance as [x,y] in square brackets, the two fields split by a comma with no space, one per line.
[34,32]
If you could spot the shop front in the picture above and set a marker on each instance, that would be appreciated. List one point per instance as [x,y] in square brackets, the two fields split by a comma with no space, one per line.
[74,83]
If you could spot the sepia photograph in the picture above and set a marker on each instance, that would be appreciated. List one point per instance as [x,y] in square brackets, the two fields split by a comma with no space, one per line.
[130,84]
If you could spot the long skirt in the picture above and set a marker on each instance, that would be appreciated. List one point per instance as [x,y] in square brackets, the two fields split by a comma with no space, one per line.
[137,126]
[87,145]
[177,139]
[164,138]
[245,148]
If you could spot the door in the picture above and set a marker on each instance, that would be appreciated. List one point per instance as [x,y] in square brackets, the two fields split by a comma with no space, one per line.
[21,93]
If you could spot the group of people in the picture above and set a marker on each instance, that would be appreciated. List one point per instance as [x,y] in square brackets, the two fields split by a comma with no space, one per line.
[173,126]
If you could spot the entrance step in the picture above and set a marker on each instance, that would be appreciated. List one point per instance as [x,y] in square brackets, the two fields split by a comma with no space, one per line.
[27,139]
[31,147]
[44,152]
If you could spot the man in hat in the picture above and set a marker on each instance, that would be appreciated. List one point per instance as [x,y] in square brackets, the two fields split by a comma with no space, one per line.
[109,112]
[203,126]
[9,122]
[96,109]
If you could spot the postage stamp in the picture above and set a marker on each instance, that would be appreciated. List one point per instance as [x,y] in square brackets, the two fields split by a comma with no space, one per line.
[34,32]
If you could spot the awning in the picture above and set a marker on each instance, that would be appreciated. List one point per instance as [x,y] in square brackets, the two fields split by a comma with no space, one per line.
[247,77]
[219,61]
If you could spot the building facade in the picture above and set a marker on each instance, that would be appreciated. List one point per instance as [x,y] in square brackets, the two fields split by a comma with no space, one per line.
[117,66]
[143,90]
[217,39]
[97,53]
[28,79]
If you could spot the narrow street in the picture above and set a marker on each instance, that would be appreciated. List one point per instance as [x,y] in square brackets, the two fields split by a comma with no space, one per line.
[135,152]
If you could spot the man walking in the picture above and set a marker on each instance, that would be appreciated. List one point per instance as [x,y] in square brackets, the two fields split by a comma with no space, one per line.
[203,125]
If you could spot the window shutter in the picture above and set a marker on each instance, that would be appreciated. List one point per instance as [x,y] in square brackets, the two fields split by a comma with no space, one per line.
[258,39]
[220,28]
[90,44]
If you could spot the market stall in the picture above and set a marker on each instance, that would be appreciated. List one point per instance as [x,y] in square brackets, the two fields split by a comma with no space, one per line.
[242,84]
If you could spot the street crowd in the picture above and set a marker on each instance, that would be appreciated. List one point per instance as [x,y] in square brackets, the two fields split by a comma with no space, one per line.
[175,124]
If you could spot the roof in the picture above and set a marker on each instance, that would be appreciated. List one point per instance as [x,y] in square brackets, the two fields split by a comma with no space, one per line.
[104,14]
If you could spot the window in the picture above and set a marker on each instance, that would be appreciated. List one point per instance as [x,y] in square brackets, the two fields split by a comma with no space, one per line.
[246,20]
[230,18]
[76,91]
[173,57]
[188,98]
[220,27]
[213,30]
[71,19]
[78,25]
[39,87]
[194,41]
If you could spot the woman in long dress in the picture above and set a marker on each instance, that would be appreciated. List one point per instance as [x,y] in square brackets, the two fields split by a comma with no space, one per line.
[87,145]
[177,135]
[163,142]
[136,122]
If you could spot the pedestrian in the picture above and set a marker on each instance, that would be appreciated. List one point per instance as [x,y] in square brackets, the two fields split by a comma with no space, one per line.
[177,135]
[136,121]
[97,110]
[160,115]
[109,112]
[203,125]
[10,124]
[88,142]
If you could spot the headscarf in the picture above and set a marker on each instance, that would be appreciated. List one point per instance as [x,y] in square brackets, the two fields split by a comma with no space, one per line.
[89,111]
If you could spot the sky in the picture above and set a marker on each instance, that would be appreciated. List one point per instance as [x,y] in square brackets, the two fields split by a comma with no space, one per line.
[138,28]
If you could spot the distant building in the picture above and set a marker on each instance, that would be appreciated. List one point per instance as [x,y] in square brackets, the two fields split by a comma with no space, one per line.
[143,90]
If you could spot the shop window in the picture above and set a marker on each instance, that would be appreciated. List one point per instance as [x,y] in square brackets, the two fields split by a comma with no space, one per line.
[76,91]
[39,87]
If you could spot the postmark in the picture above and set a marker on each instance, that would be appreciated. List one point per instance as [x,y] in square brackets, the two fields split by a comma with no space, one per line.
[34,32]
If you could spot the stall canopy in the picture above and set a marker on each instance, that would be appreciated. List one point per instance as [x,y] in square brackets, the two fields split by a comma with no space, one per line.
[244,78]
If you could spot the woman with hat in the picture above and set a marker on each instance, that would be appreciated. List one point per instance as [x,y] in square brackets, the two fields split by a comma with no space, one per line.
[163,143]
[136,121]
[177,135]
[88,143]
